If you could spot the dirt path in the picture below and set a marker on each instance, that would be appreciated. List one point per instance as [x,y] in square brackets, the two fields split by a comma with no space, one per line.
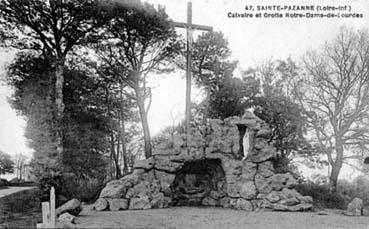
[10,190]
[215,218]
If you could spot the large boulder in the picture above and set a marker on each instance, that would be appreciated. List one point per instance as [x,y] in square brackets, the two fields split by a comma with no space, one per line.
[208,201]
[243,204]
[225,202]
[273,197]
[276,182]
[117,204]
[101,204]
[355,207]
[72,207]
[140,190]
[365,211]
[146,164]
[262,184]
[158,200]
[266,169]
[300,207]
[66,218]
[294,208]
[264,132]
[248,190]
[260,143]
[167,163]
[265,153]
[233,170]
[248,171]
[114,189]
[233,190]
[140,203]
[165,179]
[290,201]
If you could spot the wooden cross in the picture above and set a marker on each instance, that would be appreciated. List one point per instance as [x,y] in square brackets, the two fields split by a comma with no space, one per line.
[189,27]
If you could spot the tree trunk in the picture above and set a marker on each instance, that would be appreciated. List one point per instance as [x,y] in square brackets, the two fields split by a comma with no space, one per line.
[145,124]
[20,171]
[336,167]
[111,170]
[206,105]
[59,105]
[123,134]
[334,177]
[118,173]
[124,149]
[115,160]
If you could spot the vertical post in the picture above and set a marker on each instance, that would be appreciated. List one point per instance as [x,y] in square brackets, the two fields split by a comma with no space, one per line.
[45,212]
[52,207]
[48,212]
[188,69]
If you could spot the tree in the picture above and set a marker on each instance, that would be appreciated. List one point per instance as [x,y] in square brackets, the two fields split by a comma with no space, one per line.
[86,123]
[268,90]
[136,43]
[28,75]
[6,163]
[288,126]
[53,28]
[335,97]
[210,64]
[230,96]
[210,58]
[277,106]
[20,161]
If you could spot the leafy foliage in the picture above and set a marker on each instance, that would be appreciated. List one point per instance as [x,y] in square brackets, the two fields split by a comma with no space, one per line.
[286,120]
[322,196]
[85,125]
[231,96]
[210,59]
[48,30]
[51,26]
[138,41]
[6,163]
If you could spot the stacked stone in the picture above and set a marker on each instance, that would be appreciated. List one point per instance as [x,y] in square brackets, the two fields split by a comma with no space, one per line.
[251,182]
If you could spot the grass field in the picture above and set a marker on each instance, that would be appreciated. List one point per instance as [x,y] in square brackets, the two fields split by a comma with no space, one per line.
[21,209]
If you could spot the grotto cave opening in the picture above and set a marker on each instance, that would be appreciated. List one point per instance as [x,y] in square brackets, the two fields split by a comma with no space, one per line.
[199,181]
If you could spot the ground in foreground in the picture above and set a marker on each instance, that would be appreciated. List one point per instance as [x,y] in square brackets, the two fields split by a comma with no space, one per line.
[20,207]
[213,218]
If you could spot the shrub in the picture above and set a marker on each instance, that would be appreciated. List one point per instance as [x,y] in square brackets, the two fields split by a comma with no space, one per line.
[83,189]
[359,187]
[322,196]
[45,184]
[69,186]
[4,182]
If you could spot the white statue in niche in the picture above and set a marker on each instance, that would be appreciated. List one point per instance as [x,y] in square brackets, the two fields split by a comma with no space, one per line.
[246,142]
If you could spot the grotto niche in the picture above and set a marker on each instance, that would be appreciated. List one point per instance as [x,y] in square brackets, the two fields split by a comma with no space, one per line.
[198,180]
[246,138]
[225,163]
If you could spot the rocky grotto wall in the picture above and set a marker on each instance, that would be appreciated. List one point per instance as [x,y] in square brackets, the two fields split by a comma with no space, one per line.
[227,163]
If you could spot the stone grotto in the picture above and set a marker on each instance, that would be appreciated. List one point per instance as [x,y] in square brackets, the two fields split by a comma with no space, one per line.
[226,163]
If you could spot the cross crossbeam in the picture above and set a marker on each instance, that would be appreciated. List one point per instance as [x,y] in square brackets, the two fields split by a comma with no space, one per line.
[192,26]
[189,27]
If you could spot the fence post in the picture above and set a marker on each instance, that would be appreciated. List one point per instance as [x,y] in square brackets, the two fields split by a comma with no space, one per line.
[52,207]
[48,212]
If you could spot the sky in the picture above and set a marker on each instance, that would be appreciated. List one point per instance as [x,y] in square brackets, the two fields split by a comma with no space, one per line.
[252,41]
